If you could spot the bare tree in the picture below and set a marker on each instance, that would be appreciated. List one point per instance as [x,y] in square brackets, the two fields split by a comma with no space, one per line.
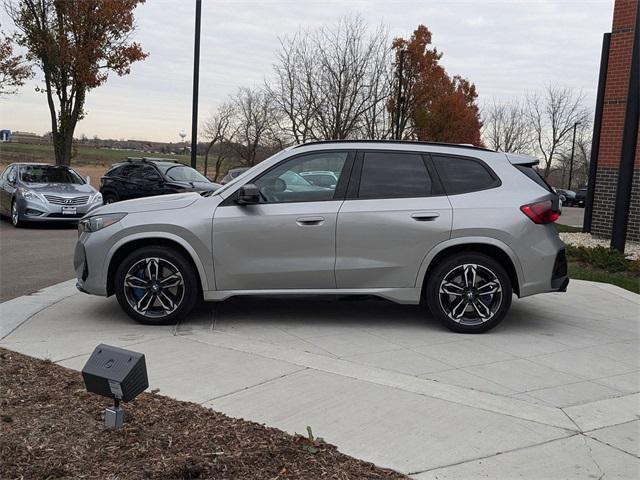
[579,173]
[553,115]
[333,82]
[218,129]
[254,127]
[506,128]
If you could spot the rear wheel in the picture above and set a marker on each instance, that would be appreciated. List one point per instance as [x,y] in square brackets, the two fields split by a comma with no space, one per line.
[469,292]
[156,285]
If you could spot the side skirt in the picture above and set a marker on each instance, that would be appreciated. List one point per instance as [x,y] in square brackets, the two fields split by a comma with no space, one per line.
[407,296]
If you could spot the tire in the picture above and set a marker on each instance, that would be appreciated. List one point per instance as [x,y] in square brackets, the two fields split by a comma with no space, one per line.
[109,197]
[15,216]
[147,301]
[469,317]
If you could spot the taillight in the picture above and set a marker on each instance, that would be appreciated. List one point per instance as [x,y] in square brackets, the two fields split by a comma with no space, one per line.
[541,212]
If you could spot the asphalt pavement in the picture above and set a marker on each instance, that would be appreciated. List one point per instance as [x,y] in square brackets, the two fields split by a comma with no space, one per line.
[572,216]
[34,257]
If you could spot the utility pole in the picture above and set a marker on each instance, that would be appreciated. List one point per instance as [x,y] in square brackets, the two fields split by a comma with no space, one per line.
[196,81]
[399,99]
[573,147]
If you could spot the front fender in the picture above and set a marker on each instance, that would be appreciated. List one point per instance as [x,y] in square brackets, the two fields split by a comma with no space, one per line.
[128,238]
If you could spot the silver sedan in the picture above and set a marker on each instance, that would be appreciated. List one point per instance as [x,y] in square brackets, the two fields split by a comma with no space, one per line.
[34,192]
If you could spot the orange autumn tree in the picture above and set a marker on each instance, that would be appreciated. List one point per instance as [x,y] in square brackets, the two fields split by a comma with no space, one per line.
[433,106]
[75,44]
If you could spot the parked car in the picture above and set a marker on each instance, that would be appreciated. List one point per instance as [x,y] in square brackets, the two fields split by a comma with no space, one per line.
[568,197]
[581,197]
[459,227]
[326,179]
[145,177]
[233,173]
[39,192]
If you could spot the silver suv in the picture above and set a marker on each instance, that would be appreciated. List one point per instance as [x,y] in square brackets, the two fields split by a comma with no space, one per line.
[458,227]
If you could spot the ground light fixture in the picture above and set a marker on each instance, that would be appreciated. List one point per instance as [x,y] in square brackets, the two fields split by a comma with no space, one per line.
[118,374]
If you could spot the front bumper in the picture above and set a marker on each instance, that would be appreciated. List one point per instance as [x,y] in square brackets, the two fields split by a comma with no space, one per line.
[31,210]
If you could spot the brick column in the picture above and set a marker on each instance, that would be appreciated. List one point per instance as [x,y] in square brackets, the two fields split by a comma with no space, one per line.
[613,115]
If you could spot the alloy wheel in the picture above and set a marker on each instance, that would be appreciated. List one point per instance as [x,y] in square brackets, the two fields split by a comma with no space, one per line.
[154,287]
[14,214]
[470,294]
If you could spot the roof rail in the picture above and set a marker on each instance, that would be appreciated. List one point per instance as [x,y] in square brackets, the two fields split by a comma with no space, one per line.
[407,142]
[151,159]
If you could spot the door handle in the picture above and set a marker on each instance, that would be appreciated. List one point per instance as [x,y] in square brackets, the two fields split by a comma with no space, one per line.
[425,216]
[309,221]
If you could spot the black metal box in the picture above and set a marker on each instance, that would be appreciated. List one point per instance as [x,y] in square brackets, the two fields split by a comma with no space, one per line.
[116,373]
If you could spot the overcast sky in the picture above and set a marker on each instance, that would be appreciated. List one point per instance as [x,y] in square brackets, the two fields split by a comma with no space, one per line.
[506,48]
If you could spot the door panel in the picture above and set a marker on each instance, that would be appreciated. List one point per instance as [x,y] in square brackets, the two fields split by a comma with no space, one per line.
[381,243]
[275,246]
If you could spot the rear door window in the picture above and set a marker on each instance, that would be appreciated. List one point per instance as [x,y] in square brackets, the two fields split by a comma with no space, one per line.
[464,175]
[394,175]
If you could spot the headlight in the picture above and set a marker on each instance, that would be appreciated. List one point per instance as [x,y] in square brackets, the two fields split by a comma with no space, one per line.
[98,222]
[29,195]
[96,198]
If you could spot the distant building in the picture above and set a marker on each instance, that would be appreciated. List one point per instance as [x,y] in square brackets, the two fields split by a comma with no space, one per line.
[613,199]
[5,135]
[25,137]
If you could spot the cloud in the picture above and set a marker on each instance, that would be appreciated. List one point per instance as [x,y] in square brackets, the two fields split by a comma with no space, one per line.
[506,47]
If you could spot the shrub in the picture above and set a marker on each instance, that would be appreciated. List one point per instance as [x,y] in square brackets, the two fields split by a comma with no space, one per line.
[603,258]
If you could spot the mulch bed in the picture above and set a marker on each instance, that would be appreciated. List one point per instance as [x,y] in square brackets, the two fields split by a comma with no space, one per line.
[50,427]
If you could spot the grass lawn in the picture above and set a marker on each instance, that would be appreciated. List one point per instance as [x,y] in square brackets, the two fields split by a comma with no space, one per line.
[50,427]
[581,271]
[567,228]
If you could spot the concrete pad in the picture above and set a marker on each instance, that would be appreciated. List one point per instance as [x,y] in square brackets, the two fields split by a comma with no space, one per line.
[465,379]
[403,360]
[389,427]
[576,458]
[522,375]
[464,353]
[605,413]
[583,363]
[573,394]
[627,383]
[463,396]
[14,312]
[625,437]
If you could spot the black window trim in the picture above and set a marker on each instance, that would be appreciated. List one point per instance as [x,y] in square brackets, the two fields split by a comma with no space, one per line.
[497,181]
[353,191]
[338,194]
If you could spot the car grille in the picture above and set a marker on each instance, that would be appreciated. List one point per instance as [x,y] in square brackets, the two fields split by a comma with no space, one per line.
[66,201]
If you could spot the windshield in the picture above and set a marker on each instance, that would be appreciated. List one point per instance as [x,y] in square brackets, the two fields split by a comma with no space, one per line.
[49,174]
[182,173]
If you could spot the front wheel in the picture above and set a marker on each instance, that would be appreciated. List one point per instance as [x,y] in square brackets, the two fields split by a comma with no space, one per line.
[109,197]
[469,292]
[156,285]
[15,214]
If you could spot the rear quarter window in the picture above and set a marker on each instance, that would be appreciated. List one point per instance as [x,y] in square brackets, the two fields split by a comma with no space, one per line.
[535,176]
[464,174]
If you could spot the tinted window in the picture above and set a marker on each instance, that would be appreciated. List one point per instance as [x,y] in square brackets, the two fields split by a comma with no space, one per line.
[535,176]
[149,173]
[388,175]
[49,174]
[463,175]
[285,183]
[185,174]
[116,171]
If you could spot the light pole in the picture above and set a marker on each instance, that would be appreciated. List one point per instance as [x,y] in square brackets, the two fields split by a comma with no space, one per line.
[196,78]
[399,99]
[573,147]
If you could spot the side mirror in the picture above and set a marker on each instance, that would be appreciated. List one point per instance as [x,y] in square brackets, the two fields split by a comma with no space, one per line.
[87,179]
[248,194]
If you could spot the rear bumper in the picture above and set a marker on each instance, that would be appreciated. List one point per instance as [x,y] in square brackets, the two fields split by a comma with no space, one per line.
[559,276]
